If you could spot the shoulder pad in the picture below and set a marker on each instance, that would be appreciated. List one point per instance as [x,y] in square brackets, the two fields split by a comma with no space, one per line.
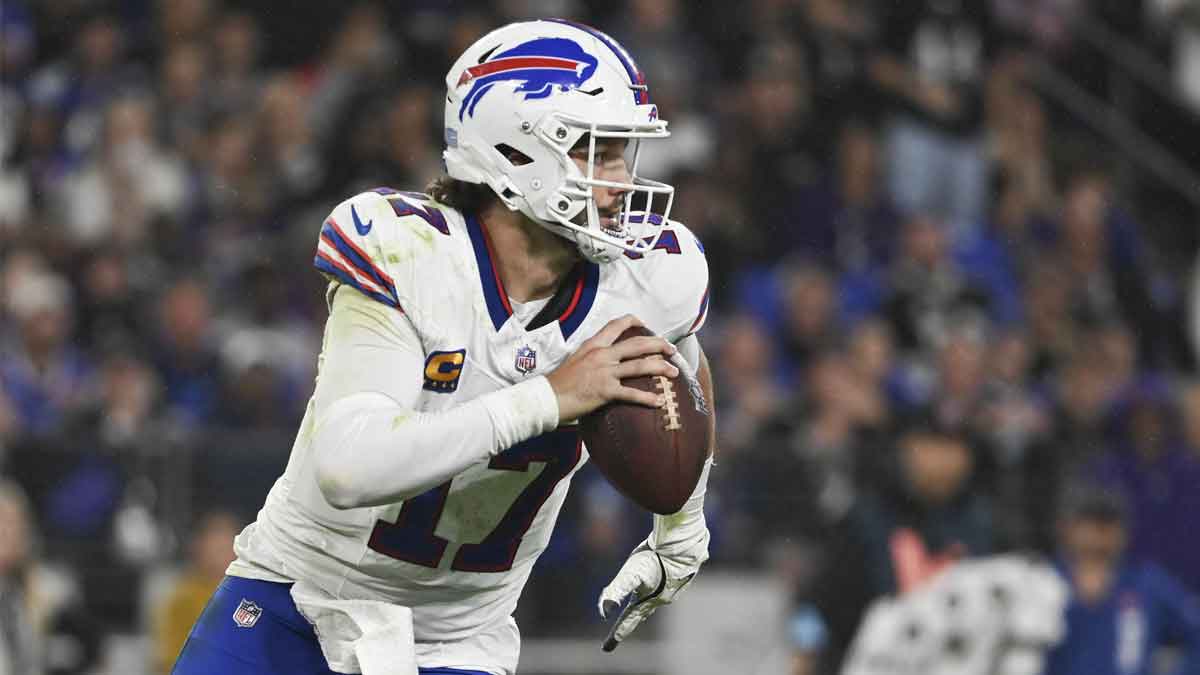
[372,240]
[677,272]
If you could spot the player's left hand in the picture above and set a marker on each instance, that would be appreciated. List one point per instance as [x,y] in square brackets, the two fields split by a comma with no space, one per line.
[646,582]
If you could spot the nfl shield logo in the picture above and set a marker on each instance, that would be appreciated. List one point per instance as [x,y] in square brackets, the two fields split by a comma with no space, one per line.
[246,614]
[526,360]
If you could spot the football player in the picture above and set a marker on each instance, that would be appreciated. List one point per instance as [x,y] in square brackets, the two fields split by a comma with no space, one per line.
[468,328]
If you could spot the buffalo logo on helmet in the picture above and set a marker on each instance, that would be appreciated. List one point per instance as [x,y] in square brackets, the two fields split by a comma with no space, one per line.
[539,65]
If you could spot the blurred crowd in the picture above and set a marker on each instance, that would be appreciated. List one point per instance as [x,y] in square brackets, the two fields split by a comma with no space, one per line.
[937,301]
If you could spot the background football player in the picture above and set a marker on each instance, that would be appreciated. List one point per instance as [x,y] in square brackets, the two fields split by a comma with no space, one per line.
[467,328]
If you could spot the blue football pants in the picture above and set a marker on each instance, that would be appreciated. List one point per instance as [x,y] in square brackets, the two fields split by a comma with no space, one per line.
[281,641]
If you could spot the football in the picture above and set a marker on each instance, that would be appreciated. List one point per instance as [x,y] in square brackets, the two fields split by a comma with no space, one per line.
[653,456]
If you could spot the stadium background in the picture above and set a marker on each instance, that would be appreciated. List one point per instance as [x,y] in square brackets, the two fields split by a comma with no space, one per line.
[926,222]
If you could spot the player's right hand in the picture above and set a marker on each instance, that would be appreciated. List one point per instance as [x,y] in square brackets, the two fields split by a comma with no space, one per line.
[591,377]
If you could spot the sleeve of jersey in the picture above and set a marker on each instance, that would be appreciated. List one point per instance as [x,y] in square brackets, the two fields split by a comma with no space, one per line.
[684,283]
[350,250]
[370,445]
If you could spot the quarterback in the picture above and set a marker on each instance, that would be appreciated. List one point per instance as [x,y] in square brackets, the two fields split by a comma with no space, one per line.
[469,327]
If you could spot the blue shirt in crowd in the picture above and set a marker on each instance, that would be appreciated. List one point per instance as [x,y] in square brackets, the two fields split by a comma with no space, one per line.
[1119,635]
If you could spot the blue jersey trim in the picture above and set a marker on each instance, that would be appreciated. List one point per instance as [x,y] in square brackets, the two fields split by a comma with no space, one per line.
[354,255]
[497,304]
[574,316]
[325,265]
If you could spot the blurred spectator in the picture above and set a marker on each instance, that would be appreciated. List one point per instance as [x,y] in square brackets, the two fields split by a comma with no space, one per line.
[961,376]
[234,187]
[667,52]
[934,65]
[803,471]
[183,22]
[1002,252]
[837,35]
[255,397]
[39,146]
[360,52]
[1116,347]
[122,414]
[110,309]
[797,303]
[1082,395]
[8,422]
[1179,21]
[1193,310]
[1105,284]
[210,550]
[264,329]
[1114,275]
[751,390]
[1159,478]
[808,324]
[15,197]
[115,197]
[1123,610]
[873,359]
[20,264]
[928,293]
[43,374]
[775,157]
[185,354]
[1190,404]
[1019,146]
[848,220]
[186,94]
[713,212]
[20,633]
[91,479]
[16,57]
[42,630]
[20,42]
[899,535]
[1014,426]
[675,64]
[1044,23]
[1046,300]
[465,27]
[414,151]
[74,92]
[237,44]
[393,143]
[289,144]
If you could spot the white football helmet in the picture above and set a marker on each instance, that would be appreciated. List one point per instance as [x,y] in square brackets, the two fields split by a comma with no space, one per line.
[537,87]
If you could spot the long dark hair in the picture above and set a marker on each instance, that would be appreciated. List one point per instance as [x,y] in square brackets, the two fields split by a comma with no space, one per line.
[467,197]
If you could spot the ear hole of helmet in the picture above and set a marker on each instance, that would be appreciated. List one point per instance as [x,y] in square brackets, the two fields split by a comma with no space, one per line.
[514,156]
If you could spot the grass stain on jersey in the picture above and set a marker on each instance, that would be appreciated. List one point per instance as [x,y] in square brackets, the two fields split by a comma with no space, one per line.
[421,244]
[401,419]
[309,423]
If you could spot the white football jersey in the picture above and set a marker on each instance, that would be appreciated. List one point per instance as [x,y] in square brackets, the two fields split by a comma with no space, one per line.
[459,554]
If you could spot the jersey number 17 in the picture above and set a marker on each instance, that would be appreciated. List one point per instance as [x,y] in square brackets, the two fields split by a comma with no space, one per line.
[411,538]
